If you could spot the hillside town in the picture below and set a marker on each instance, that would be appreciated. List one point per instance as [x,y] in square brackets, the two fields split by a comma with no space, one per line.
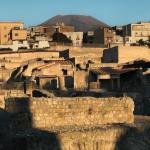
[58,82]
[15,36]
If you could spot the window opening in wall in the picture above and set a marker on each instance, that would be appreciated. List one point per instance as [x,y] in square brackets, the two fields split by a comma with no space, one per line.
[16,34]
[65,72]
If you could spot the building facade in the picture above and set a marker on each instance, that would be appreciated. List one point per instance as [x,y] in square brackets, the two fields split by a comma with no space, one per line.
[118,36]
[135,32]
[61,27]
[104,36]
[10,32]
[88,37]
[75,37]
[37,31]
[38,37]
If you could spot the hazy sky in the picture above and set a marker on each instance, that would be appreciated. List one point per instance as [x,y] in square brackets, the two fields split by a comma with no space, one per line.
[112,12]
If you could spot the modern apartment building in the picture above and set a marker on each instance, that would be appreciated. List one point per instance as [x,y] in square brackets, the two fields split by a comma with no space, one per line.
[104,36]
[37,31]
[12,35]
[61,27]
[88,37]
[38,37]
[75,37]
[135,32]
[48,31]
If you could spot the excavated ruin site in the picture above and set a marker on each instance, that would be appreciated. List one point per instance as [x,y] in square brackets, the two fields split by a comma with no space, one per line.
[62,100]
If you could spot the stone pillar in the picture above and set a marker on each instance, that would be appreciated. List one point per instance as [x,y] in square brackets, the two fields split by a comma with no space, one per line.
[62,83]
[58,84]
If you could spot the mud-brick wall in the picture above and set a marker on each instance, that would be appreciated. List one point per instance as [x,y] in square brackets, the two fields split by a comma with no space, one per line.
[48,113]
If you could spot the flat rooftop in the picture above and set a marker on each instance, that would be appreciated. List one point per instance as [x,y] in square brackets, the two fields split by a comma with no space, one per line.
[11,22]
[30,51]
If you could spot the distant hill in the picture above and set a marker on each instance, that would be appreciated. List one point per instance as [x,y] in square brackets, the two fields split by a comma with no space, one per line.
[81,23]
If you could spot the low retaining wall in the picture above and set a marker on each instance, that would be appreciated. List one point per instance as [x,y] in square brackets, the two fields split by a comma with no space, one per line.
[45,113]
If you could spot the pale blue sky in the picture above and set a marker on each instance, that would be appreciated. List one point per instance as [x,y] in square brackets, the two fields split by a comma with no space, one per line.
[113,12]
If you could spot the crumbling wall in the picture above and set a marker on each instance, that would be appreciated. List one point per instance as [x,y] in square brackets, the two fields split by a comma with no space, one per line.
[59,112]
[98,139]
[80,80]
[2,100]
[4,94]
[81,51]
[25,56]
[95,139]
[85,59]
[118,137]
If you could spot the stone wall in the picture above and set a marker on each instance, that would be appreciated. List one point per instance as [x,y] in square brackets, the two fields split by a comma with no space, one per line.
[98,65]
[82,51]
[11,64]
[81,80]
[4,94]
[95,139]
[5,74]
[2,101]
[59,112]
[100,138]
[25,56]
[85,59]
[128,53]
[125,54]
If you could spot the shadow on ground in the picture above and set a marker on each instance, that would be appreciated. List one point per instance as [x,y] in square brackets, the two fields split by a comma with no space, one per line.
[134,139]
[18,134]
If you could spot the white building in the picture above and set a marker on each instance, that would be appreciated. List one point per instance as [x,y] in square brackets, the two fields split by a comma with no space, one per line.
[76,37]
[135,32]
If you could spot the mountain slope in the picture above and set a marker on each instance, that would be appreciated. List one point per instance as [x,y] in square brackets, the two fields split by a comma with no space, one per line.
[81,23]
